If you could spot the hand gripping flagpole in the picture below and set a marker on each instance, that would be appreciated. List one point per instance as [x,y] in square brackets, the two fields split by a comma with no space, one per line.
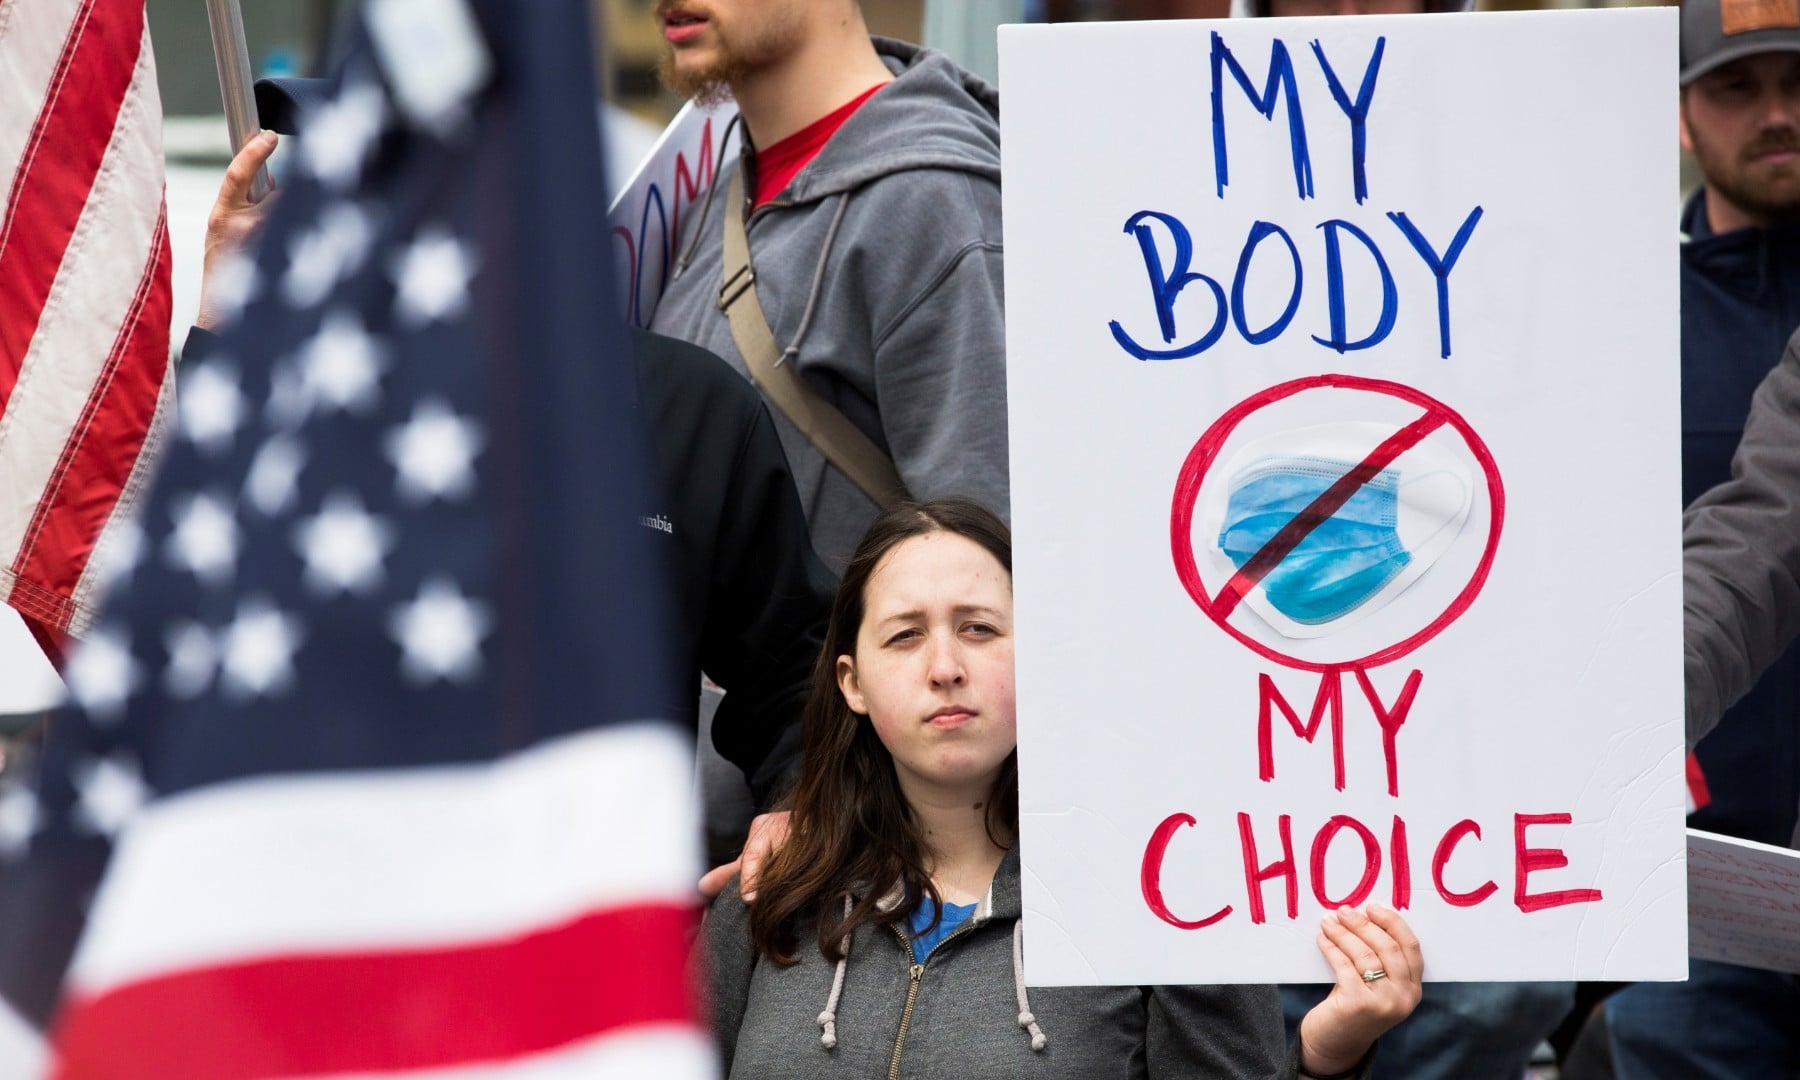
[233,58]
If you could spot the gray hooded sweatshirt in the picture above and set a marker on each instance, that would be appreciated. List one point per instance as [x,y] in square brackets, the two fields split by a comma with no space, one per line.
[1741,556]
[965,1012]
[878,268]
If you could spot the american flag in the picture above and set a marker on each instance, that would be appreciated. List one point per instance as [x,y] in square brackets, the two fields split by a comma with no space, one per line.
[84,298]
[369,762]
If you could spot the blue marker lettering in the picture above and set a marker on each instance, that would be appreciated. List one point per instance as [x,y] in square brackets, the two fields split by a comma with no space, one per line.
[1281,79]
[1167,287]
[1440,266]
[1259,232]
[1334,279]
[1357,111]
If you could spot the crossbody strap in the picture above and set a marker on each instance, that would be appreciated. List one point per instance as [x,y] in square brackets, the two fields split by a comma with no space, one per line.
[844,444]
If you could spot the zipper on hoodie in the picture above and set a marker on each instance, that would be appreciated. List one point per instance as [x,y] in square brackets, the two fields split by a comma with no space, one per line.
[914,976]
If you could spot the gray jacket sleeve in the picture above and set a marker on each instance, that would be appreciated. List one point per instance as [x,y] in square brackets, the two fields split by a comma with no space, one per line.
[941,363]
[730,960]
[1741,555]
[1216,1031]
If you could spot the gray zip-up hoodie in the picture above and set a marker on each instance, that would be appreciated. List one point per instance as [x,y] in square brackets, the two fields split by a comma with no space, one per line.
[878,268]
[965,1012]
[1741,556]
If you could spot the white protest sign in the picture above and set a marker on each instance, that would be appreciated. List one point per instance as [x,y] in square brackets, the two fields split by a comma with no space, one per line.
[646,216]
[1342,382]
[1743,902]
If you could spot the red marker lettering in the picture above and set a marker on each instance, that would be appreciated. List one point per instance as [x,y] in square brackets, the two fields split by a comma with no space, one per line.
[1530,859]
[1150,877]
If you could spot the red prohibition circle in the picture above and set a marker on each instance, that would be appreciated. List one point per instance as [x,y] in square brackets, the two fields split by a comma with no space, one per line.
[1205,454]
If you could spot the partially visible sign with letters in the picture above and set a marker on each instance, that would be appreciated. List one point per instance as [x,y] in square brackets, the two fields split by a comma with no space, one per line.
[646,217]
[1743,902]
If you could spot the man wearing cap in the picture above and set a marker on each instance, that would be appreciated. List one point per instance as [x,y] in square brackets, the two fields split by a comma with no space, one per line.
[1740,301]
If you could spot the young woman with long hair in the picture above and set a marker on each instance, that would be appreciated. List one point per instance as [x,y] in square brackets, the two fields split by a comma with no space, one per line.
[884,937]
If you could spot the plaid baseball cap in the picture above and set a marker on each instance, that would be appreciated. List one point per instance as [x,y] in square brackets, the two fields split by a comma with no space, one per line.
[1716,32]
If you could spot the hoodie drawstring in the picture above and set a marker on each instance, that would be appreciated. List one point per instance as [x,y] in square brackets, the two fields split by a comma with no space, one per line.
[706,205]
[818,283]
[828,1018]
[1026,1019]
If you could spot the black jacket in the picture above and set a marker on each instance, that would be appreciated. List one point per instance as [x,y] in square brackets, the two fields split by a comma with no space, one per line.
[753,598]
[1740,301]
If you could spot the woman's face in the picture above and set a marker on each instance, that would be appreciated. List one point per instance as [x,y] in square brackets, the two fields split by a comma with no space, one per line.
[933,668]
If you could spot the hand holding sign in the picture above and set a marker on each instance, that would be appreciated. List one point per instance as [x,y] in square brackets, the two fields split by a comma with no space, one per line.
[1379,967]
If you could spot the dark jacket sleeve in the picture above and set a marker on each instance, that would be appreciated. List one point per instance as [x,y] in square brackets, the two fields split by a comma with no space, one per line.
[730,961]
[767,605]
[1741,556]
[755,598]
[1216,1031]
[198,344]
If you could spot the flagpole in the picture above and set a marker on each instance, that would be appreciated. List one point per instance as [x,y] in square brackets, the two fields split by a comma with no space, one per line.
[233,57]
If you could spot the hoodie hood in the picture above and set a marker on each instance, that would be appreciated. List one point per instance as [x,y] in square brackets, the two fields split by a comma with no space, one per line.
[951,119]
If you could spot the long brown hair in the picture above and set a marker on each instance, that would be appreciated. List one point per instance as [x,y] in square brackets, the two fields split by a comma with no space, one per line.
[851,830]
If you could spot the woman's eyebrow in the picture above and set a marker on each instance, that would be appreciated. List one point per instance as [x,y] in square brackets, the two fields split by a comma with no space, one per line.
[916,615]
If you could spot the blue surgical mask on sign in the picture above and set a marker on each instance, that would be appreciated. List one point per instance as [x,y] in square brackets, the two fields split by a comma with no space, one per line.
[1341,563]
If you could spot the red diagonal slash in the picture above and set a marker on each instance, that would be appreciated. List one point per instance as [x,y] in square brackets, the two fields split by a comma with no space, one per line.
[1329,502]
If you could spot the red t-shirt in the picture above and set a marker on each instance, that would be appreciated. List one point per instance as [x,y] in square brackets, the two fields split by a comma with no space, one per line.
[781,162]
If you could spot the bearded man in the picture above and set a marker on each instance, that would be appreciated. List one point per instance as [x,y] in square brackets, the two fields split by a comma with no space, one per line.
[870,203]
[1740,301]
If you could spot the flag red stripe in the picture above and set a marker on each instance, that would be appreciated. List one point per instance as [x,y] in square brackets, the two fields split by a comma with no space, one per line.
[98,455]
[50,188]
[374,1012]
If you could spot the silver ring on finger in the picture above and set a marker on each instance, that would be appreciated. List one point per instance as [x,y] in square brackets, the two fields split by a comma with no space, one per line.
[1373,974]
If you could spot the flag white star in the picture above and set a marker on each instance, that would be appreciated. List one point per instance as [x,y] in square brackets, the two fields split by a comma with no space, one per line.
[111,791]
[339,135]
[18,818]
[312,269]
[116,554]
[325,254]
[432,277]
[204,540]
[439,633]
[273,481]
[102,674]
[434,453]
[211,405]
[343,546]
[233,282]
[257,656]
[289,402]
[342,365]
[193,655]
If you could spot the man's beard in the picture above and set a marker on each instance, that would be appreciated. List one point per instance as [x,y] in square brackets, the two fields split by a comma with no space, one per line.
[708,86]
[741,51]
[1769,195]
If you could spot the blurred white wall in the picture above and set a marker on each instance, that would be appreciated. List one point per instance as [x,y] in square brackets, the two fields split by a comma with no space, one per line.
[28,684]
